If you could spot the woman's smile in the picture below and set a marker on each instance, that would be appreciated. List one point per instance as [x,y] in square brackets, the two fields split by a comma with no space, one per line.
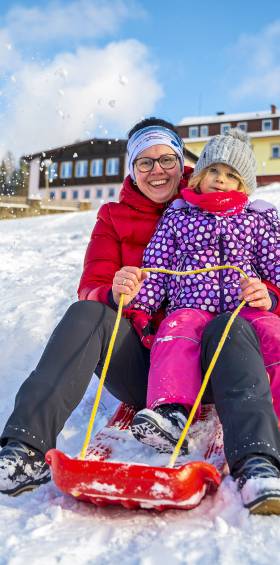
[160,185]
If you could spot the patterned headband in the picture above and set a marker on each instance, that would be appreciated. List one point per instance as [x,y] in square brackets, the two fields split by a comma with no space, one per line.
[149,136]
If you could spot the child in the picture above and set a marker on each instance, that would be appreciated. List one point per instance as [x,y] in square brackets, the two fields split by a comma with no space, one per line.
[214,224]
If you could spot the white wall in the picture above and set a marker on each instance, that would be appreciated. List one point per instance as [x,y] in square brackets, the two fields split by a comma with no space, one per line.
[34,178]
[96,201]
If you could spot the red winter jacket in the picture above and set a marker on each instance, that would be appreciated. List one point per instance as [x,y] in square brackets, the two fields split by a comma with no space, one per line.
[120,235]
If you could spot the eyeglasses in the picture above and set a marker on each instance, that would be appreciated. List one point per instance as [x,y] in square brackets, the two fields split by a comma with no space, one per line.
[146,164]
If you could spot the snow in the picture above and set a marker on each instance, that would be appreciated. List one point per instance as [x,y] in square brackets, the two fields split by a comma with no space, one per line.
[255,487]
[217,118]
[104,487]
[41,261]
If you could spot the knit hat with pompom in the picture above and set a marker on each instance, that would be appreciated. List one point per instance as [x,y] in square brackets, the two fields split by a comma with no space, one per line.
[231,149]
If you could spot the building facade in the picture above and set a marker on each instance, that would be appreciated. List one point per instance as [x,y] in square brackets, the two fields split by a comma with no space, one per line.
[94,170]
[88,170]
[263,129]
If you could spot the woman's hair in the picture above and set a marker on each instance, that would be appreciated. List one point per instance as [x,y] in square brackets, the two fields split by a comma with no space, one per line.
[195,180]
[151,122]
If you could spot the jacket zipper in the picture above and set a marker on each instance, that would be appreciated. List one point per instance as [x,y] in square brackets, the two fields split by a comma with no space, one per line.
[221,275]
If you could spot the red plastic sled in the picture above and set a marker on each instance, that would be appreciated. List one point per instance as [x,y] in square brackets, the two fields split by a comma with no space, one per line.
[104,482]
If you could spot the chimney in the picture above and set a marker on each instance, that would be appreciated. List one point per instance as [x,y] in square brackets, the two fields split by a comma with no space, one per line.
[273,108]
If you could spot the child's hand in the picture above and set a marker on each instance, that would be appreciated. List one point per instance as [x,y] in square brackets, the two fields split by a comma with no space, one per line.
[142,324]
[255,293]
[128,281]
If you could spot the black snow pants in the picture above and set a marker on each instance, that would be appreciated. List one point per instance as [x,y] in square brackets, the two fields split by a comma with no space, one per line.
[77,348]
[239,388]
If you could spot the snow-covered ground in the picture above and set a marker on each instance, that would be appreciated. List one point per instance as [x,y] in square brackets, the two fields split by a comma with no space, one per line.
[41,262]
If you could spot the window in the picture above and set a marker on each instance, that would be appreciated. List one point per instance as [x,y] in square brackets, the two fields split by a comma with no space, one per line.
[96,168]
[52,195]
[203,131]
[99,193]
[225,128]
[266,125]
[242,125]
[81,168]
[275,152]
[63,195]
[52,171]
[193,131]
[111,193]
[66,170]
[112,166]
[87,193]
[75,194]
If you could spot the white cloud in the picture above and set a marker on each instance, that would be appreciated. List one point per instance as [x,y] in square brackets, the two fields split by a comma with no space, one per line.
[257,65]
[77,93]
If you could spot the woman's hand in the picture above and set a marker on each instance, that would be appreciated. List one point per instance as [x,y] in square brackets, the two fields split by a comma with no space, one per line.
[127,281]
[255,293]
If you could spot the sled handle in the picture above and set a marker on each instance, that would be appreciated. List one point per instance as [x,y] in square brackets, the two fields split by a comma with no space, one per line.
[208,372]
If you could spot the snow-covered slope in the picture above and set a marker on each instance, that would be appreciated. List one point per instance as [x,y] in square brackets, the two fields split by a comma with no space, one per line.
[41,262]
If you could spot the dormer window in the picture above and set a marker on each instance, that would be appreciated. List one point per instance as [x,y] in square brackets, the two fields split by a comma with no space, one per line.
[203,131]
[52,171]
[96,168]
[193,131]
[81,169]
[66,170]
[112,166]
[266,125]
[242,125]
[225,128]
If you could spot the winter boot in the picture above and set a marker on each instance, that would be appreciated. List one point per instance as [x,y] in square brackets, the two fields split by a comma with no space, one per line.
[258,479]
[22,468]
[161,428]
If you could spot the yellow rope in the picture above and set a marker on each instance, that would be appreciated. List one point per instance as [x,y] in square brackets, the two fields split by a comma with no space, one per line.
[196,272]
[102,379]
[208,372]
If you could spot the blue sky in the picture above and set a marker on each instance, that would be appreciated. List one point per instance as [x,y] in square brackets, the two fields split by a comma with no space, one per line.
[75,69]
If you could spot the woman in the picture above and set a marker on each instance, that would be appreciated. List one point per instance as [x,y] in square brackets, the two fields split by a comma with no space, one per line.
[78,345]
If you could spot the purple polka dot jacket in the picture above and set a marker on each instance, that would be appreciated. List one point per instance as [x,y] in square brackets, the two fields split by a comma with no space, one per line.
[188,238]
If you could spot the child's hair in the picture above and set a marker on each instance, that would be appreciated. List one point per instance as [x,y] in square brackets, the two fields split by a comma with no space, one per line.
[196,179]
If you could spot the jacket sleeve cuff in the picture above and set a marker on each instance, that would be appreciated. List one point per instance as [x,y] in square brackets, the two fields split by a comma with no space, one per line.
[111,301]
[274,301]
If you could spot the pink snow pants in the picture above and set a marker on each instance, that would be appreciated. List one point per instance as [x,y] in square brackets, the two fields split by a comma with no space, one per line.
[175,373]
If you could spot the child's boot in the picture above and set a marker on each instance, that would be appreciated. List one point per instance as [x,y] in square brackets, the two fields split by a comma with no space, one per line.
[161,428]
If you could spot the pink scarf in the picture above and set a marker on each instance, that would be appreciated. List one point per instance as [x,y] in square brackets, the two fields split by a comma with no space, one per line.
[217,203]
